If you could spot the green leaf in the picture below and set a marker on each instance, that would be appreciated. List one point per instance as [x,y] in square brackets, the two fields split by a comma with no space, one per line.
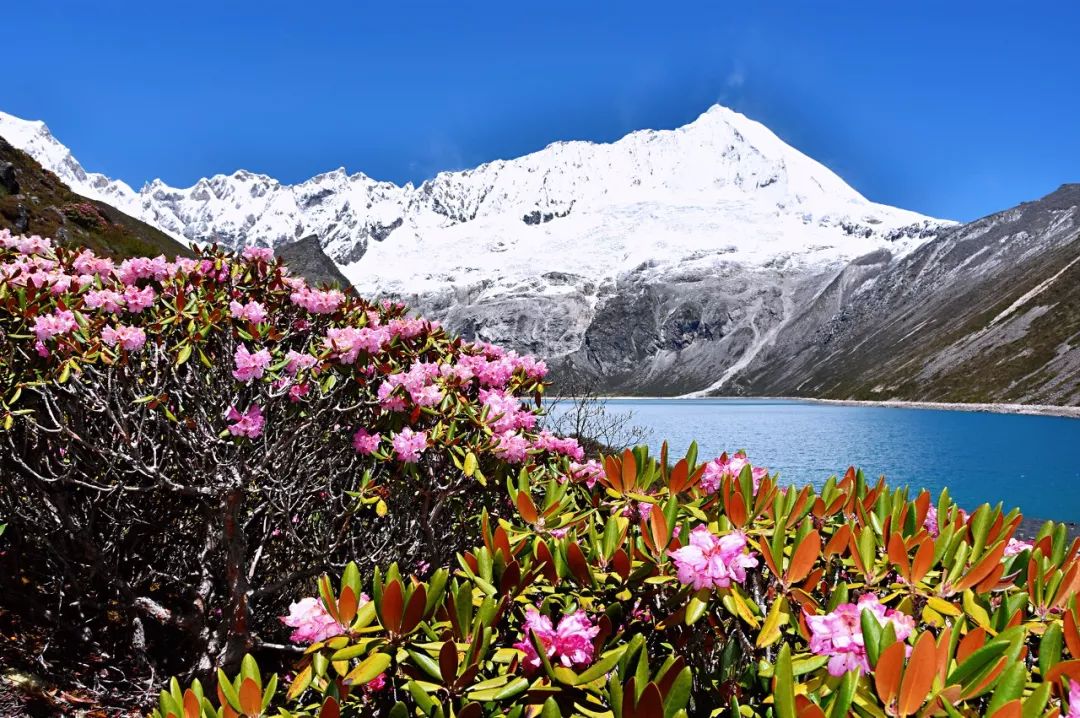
[1050,648]
[601,667]
[844,695]
[784,685]
[1010,685]
[697,606]
[183,355]
[679,694]
[551,709]
[368,668]
[871,631]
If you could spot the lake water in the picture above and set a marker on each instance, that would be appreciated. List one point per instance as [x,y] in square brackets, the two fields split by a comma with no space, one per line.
[1028,461]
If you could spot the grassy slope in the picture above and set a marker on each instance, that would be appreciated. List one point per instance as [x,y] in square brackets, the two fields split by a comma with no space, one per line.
[46,206]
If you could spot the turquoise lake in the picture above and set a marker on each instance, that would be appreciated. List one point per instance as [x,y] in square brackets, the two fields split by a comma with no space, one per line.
[1028,461]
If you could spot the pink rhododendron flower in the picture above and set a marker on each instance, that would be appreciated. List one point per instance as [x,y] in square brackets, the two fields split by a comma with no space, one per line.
[429,395]
[725,466]
[571,644]
[348,342]
[105,299]
[253,254]
[317,302]
[138,299]
[299,391]
[409,444]
[298,361]
[88,263]
[59,322]
[250,366]
[930,522]
[407,328]
[511,447]
[711,561]
[839,634]
[130,338]
[253,311]
[1016,546]
[1074,700]
[589,472]
[249,424]
[547,441]
[386,400]
[365,443]
[313,623]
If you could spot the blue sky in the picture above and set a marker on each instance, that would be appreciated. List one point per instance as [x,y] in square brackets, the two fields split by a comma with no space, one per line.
[955,109]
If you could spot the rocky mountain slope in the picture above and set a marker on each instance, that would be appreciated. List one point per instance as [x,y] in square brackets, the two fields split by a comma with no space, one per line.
[988,311]
[34,201]
[655,264]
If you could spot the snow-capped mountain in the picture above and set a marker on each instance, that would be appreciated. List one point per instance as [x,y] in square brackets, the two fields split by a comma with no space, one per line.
[661,262]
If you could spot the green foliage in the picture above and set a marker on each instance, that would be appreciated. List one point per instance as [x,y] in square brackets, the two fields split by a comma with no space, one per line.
[993,634]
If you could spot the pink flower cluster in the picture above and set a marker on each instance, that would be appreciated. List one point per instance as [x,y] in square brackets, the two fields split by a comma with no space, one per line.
[588,473]
[253,311]
[512,447]
[495,366]
[59,322]
[312,622]
[571,644]
[1016,547]
[366,443]
[348,342]
[249,424]
[409,444]
[839,634]
[504,411]
[316,301]
[130,338]
[725,466]
[255,254]
[418,382]
[711,561]
[297,361]
[1074,700]
[546,441]
[250,366]
[33,244]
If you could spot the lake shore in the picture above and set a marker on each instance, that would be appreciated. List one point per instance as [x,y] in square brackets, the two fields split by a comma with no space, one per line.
[1072,412]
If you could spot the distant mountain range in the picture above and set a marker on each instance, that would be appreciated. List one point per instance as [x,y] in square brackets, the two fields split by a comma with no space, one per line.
[712,258]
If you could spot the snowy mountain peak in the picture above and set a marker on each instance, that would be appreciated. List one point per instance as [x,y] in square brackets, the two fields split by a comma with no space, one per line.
[721,186]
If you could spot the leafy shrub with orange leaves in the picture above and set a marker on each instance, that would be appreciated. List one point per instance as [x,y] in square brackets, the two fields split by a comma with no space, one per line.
[699,590]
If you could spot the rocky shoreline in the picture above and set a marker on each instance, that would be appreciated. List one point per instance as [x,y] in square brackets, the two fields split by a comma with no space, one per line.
[1072,412]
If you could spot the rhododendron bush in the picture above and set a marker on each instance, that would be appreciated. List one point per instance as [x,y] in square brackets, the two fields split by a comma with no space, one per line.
[375,494]
[742,598]
[185,443]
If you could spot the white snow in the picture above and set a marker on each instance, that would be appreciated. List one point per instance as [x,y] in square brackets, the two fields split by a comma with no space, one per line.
[723,188]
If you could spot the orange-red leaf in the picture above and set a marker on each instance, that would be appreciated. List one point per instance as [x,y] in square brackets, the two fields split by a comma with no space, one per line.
[347,605]
[414,612]
[250,698]
[804,557]
[629,470]
[393,603]
[919,676]
[526,507]
[887,672]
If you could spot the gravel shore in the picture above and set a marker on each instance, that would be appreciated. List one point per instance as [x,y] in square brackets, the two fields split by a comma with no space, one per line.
[1072,412]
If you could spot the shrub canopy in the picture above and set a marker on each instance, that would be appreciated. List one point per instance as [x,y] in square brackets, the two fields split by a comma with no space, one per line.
[186,442]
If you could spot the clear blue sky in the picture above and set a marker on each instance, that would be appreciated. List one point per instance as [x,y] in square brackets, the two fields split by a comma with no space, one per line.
[956,109]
